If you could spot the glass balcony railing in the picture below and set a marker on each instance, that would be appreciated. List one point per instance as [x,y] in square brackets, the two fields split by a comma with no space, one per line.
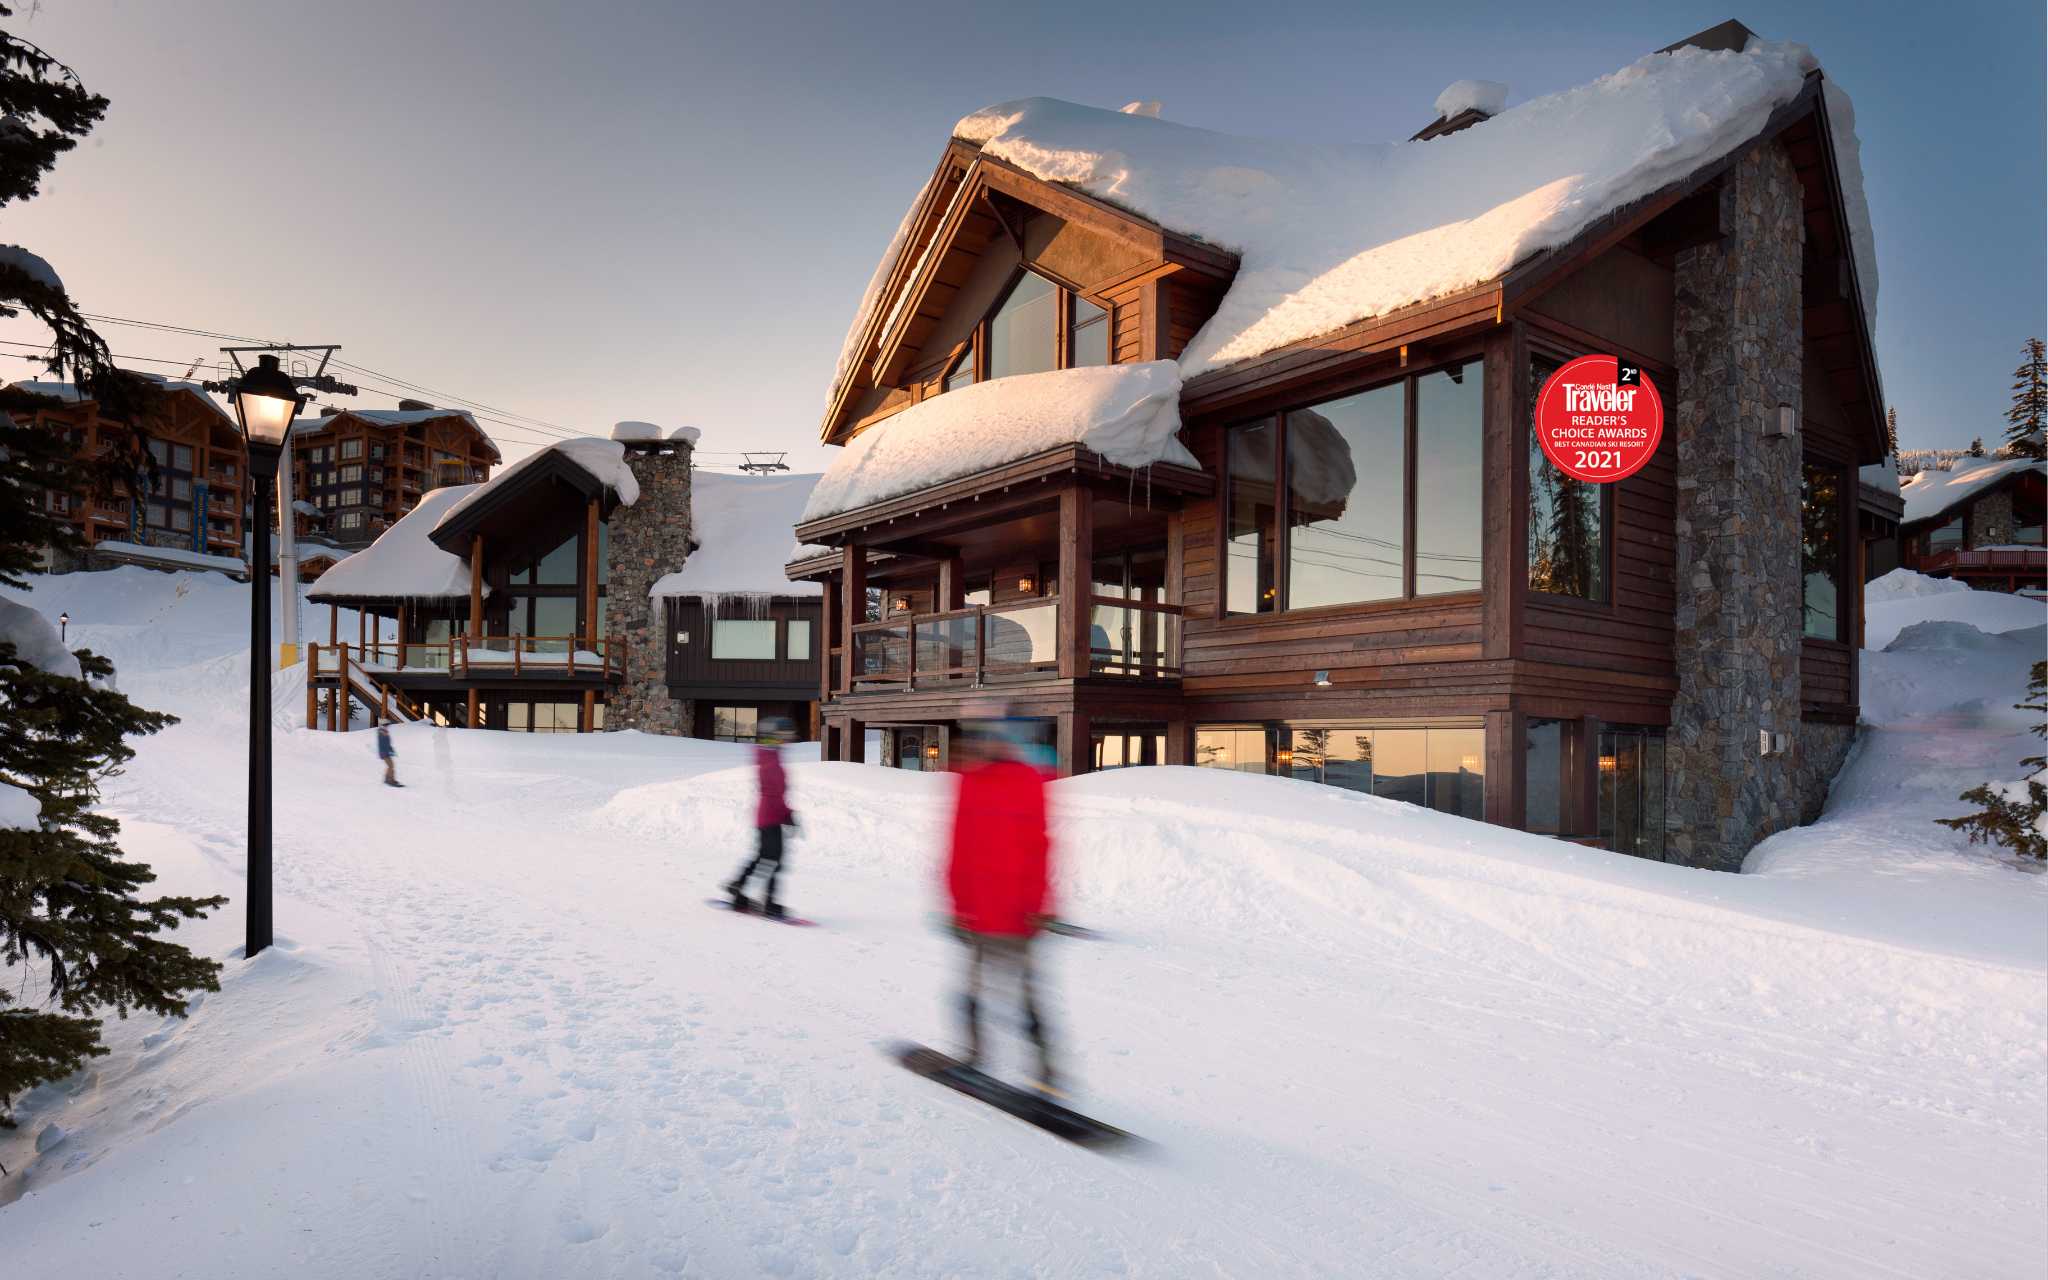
[1007,643]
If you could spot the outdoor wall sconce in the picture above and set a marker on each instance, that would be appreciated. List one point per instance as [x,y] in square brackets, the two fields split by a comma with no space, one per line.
[1285,757]
[900,604]
[1322,679]
[1782,424]
[1607,764]
[1027,584]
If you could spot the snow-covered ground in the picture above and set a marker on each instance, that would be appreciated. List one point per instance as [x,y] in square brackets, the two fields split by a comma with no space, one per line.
[503,1036]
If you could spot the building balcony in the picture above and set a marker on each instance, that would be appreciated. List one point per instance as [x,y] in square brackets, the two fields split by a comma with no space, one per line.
[1965,564]
[1013,643]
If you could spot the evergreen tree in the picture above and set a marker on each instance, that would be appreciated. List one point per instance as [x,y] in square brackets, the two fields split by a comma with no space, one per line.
[44,111]
[1976,449]
[2011,813]
[2028,417]
[1891,432]
[69,917]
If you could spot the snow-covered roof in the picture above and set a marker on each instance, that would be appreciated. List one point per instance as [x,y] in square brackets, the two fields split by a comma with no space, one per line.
[385,418]
[1331,233]
[605,460]
[70,394]
[1882,476]
[741,525]
[1932,492]
[1127,413]
[119,550]
[403,563]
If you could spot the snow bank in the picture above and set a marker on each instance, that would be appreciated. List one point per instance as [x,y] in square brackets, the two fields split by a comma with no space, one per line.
[1990,611]
[1904,584]
[603,459]
[1331,233]
[1930,493]
[739,523]
[1127,413]
[403,563]
[36,640]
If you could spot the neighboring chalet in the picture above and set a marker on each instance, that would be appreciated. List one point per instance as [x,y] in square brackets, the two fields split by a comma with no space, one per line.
[359,471]
[743,641]
[197,506]
[569,594]
[1979,524]
[1214,450]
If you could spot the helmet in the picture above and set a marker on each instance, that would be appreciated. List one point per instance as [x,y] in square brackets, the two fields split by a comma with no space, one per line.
[775,729]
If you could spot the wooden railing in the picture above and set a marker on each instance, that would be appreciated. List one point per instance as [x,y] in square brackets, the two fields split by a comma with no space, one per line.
[1005,642]
[2012,561]
[360,671]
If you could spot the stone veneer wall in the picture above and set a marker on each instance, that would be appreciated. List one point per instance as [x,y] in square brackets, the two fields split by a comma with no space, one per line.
[649,539]
[1738,346]
[1992,523]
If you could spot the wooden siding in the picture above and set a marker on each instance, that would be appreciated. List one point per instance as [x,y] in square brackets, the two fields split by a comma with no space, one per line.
[691,663]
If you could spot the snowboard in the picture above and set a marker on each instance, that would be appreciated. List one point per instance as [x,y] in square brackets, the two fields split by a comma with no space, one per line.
[1025,1105]
[725,904]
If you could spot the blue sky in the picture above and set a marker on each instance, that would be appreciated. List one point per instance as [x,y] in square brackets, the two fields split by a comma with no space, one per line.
[580,213]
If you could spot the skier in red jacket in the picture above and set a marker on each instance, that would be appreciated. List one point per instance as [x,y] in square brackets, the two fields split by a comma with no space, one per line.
[771,815]
[999,876]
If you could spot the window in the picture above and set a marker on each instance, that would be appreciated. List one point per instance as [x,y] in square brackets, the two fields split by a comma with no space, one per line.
[541,717]
[1544,773]
[352,474]
[351,520]
[734,724]
[799,645]
[1088,344]
[1023,334]
[963,372]
[161,452]
[558,567]
[1947,537]
[1568,519]
[155,513]
[376,475]
[1820,549]
[181,456]
[181,520]
[737,639]
[181,490]
[1632,789]
[1334,525]
[1436,767]
[352,448]
[351,497]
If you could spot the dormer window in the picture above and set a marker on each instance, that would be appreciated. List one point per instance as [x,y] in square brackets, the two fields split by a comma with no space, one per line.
[1039,326]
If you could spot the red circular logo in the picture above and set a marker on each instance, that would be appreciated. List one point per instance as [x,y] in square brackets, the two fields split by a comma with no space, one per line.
[1598,419]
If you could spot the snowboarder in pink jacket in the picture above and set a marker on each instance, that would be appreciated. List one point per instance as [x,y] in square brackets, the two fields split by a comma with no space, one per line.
[771,815]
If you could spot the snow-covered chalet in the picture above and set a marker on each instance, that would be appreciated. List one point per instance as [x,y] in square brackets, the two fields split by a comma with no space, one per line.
[1209,450]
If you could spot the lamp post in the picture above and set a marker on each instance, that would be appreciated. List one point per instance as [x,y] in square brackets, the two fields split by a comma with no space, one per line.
[64,628]
[266,401]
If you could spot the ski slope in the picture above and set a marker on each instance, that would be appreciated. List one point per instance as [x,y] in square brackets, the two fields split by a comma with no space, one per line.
[501,1035]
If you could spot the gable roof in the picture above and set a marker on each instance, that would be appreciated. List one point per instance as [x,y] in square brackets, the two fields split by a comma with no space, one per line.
[503,508]
[1336,237]
[403,563]
[1937,495]
[396,418]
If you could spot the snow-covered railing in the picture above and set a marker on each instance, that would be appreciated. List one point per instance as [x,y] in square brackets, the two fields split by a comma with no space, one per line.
[1009,642]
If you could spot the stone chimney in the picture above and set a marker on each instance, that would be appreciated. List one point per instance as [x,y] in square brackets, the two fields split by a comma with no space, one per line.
[649,539]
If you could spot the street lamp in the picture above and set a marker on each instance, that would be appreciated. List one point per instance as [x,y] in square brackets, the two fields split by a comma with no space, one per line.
[266,401]
[64,628]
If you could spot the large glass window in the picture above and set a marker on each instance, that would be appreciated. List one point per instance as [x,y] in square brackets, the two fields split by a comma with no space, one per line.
[1441,768]
[1568,519]
[743,639]
[1544,773]
[1343,515]
[1632,789]
[1820,549]
[799,639]
[1344,500]
[1450,420]
[1251,532]
[1946,537]
[735,724]
[1023,334]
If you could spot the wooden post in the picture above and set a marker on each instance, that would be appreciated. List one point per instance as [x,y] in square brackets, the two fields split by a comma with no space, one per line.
[334,624]
[312,689]
[853,606]
[1155,320]
[1180,742]
[828,640]
[401,635]
[472,721]
[856,743]
[1077,555]
[589,578]
[1586,788]
[952,587]
[1072,744]
[1506,762]
[476,588]
[589,724]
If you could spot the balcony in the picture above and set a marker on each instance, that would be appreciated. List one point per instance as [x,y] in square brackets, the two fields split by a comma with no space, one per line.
[478,657]
[1975,563]
[1013,643]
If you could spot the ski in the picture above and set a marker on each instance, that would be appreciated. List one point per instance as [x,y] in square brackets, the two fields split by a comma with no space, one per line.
[1025,1105]
[725,904]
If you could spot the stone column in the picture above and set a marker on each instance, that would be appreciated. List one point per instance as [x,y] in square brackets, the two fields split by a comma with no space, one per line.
[649,539]
[1992,522]
[1738,344]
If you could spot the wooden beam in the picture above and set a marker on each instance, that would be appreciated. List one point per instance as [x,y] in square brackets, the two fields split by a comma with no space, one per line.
[590,568]
[1586,778]
[1072,730]
[1155,319]
[476,597]
[952,592]
[853,602]
[1077,554]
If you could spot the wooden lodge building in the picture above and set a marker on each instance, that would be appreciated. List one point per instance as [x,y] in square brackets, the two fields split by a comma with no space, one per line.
[362,470]
[574,592]
[1979,524]
[1350,564]
[198,507]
